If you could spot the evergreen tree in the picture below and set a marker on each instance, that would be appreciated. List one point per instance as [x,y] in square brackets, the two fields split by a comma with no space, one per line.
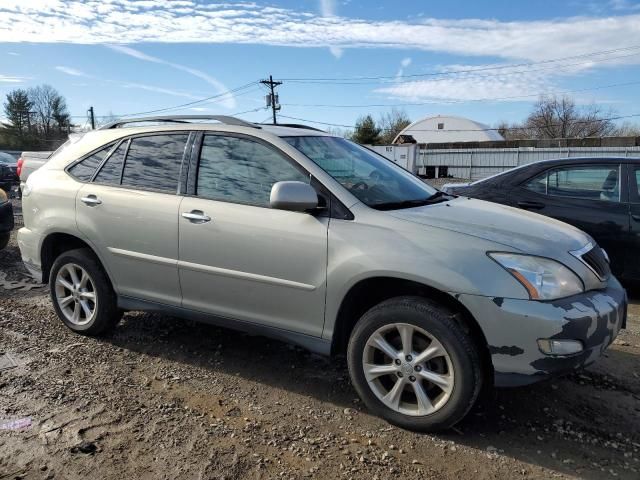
[366,131]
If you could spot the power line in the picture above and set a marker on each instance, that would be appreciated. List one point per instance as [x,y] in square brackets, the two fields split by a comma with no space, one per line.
[175,107]
[456,72]
[444,76]
[486,99]
[577,122]
[188,104]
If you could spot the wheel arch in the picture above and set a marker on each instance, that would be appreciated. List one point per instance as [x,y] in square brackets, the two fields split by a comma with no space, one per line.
[369,292]
[56,243]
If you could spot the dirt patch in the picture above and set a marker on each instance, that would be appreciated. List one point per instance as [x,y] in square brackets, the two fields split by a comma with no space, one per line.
[168,398]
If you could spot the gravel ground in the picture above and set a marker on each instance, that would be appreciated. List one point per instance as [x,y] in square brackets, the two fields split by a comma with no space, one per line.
[167,398]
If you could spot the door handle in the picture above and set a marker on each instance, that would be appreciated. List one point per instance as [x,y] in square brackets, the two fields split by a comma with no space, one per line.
[636,217]
[531,205]
[196,216]
[91,200]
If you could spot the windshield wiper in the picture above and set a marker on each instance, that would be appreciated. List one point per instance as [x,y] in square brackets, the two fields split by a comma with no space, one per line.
[437,197]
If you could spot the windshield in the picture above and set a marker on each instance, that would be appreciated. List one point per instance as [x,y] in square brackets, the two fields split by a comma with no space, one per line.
[374,180]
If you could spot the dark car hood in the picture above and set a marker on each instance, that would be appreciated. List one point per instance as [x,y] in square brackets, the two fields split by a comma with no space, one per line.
[525,231]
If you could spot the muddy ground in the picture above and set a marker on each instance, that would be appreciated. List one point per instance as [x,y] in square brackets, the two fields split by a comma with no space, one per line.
[169,398]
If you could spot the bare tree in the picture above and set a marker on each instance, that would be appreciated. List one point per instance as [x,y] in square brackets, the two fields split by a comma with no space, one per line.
[627,129]
[513,131]
[50,110]
[554,117]
[391,124]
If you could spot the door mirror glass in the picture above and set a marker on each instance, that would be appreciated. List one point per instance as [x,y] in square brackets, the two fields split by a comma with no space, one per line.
[294,196]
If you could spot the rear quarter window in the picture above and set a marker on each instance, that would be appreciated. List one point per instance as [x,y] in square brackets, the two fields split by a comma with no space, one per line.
[85,169]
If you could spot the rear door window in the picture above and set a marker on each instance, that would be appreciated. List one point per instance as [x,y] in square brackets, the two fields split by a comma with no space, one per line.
[592,182]
[85,169]
[153,162]
[111,171]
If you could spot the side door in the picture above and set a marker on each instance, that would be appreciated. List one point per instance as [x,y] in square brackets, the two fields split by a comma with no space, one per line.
[241,259]
[590,197]
[129,211]
[633,272]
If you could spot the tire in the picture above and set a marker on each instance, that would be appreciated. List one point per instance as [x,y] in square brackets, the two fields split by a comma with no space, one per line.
[105,314]
[458,371]
[4,239]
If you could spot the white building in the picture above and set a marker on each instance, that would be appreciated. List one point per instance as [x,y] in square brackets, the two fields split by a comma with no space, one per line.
[445,129]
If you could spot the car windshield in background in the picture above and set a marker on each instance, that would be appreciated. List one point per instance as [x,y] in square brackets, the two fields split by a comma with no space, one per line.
[374,180]
[7,158]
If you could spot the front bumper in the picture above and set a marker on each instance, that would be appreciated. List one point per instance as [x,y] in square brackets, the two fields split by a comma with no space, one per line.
[512,329]
[6,217]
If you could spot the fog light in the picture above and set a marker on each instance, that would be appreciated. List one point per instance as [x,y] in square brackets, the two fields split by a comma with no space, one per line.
[559,347]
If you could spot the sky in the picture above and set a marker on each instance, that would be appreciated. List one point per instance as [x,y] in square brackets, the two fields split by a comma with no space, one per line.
[337,59]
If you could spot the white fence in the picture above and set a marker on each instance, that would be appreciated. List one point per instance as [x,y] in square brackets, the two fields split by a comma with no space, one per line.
[475,164]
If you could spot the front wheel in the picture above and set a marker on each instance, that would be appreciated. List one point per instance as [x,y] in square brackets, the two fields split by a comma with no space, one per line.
[414,365]
[82,294]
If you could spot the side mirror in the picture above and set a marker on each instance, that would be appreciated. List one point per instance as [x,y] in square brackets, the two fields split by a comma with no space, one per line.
[294,196]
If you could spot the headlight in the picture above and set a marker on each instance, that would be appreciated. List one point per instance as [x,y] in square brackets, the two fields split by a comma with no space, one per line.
[3,196]
[544,279]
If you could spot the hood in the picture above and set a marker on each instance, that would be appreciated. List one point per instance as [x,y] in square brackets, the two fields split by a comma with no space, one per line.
[519,229]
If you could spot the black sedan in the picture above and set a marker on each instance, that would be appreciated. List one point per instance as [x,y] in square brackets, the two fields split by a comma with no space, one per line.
[8,172]
[598,195]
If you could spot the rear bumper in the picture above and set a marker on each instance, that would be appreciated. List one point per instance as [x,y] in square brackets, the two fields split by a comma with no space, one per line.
[6,218]
[30,244]
[513,327]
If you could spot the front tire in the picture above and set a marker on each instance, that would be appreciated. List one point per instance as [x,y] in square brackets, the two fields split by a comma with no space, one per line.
[413,364]
[82,294]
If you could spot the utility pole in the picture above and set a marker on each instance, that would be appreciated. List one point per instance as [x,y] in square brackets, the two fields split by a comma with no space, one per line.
[272,98]
[92,118]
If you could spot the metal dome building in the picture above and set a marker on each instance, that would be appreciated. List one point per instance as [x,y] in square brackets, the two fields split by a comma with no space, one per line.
[446,129]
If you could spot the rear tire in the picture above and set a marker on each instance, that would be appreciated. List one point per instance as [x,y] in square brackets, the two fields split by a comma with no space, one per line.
[413,364]
[82,294]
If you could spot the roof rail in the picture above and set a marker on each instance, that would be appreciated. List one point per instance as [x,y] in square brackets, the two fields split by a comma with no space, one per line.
[181,119]
[298,125]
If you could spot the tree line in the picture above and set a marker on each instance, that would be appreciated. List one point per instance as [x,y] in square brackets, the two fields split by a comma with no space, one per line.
[37,118]
[550,118]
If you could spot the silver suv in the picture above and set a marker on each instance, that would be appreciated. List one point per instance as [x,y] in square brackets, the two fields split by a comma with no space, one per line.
[290,232]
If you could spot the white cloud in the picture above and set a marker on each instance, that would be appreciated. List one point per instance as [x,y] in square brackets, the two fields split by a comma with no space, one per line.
[624,5]
[71,71]
[226,100]
[10,79]
[193,21]
[163,21]
[403,64]
[336,51]
[328,8]
[14,54]
[153,88]
[140,86]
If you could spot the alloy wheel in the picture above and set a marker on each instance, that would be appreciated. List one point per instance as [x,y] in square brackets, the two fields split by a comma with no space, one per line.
[408,369]
[76,294]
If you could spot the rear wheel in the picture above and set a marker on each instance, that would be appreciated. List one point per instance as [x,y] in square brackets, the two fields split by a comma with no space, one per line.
[82,294]
[414,365]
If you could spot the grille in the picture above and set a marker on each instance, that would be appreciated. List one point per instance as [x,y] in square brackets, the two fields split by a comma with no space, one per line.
[596,260]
